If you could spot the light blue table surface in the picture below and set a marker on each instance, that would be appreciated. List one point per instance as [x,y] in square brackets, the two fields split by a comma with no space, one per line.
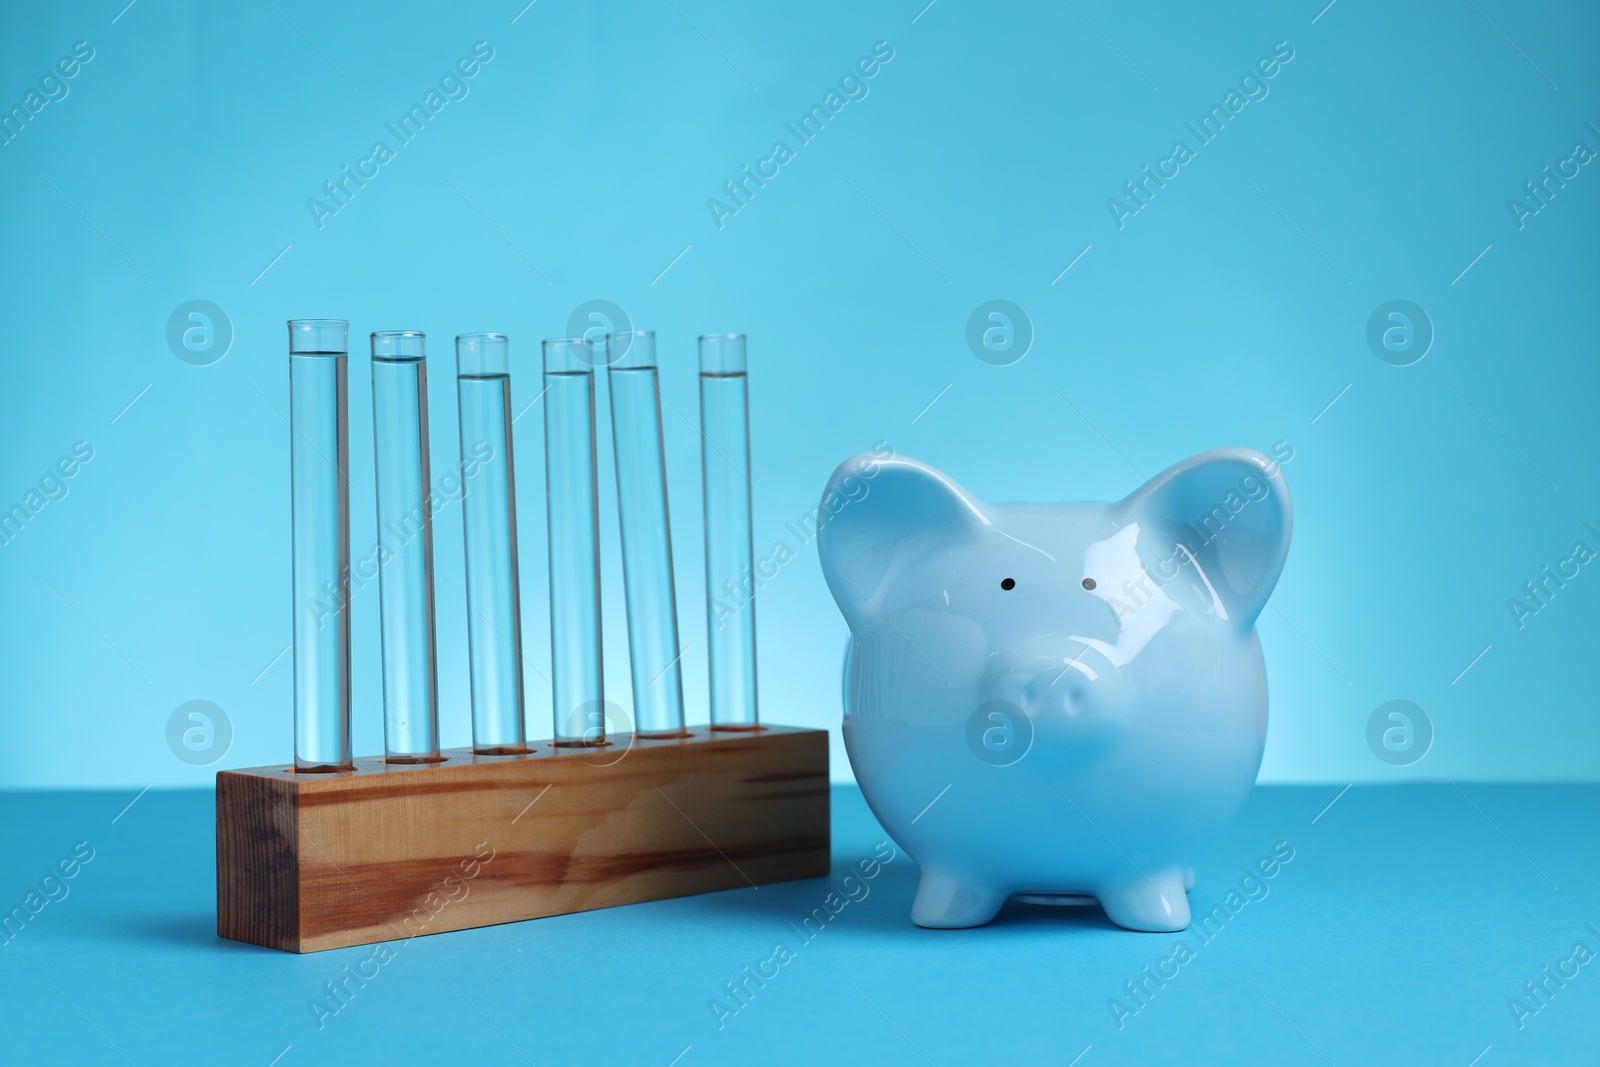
[1406,921]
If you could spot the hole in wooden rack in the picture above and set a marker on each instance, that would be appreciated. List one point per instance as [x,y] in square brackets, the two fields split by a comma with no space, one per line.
[503,750]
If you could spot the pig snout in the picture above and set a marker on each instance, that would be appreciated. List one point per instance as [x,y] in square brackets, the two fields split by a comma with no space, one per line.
[1047,679]
[1059,695]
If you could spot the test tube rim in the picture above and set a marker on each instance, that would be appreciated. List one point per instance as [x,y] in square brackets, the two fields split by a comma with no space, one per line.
[485,348]
[584,343]
[626,351]
[737,342]
[421,337]
[314,326]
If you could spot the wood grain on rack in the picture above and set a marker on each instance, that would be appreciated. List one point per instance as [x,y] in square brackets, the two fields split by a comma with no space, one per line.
[307,862]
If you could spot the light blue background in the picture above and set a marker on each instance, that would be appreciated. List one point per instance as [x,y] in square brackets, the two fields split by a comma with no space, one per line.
[978,167]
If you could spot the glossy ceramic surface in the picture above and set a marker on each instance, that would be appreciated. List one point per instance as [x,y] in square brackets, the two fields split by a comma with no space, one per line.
[1057,701]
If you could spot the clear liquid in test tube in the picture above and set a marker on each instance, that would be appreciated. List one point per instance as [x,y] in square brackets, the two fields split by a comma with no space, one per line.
[319,460]
[653,650]
[730,579]
[577,688]
[405,527]
[489,519]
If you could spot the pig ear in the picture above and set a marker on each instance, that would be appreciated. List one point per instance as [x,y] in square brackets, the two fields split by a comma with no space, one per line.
[1226,513]
[877,516]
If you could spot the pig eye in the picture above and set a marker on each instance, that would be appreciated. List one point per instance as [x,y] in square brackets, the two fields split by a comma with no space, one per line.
[1008,583]
[1088,583]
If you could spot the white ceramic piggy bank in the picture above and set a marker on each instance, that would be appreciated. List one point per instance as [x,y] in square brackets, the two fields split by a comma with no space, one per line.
[1058,701]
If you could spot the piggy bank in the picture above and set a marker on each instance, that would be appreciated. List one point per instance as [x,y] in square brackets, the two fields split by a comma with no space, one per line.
[1058,702]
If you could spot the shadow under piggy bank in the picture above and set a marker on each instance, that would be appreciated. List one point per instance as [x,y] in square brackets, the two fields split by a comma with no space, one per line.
[1055,701]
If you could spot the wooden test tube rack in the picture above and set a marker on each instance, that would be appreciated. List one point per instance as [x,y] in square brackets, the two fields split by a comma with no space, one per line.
[307,862]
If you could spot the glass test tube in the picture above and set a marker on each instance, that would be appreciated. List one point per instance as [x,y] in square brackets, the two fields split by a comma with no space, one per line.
[653,650]
[405,528]
[578,696]
[489,517]
[319,457]
[730,579]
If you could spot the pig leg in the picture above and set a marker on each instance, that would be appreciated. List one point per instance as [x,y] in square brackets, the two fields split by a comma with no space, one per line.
[1188,879]
[1155,904]
[944,903]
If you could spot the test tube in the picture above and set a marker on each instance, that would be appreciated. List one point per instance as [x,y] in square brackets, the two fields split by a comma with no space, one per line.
[730,580]
[319,491]
[405,529]
[577,689]
[653,650]
[489,518]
